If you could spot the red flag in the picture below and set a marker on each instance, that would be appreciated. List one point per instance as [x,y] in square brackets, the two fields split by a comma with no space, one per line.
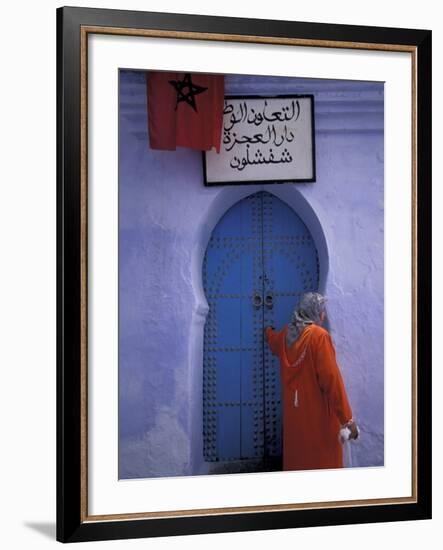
[185,110]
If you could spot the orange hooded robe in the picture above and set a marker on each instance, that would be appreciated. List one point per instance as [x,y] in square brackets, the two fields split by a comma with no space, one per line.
[315,404]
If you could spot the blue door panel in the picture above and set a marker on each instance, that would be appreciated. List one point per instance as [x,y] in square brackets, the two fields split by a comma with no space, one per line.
[231,276]
[248,263]
[228,311]
[249,214]
[251,437]
[228,432]
[228,391]
[249,377]
[284,274]
[259,260]
[247,325]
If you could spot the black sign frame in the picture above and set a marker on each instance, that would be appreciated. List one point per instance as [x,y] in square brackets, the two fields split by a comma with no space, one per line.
[270,180]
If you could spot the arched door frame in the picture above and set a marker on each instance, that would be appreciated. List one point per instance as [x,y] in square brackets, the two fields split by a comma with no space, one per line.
[225,199]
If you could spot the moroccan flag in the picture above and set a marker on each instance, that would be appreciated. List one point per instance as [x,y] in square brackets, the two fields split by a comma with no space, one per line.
[185,109]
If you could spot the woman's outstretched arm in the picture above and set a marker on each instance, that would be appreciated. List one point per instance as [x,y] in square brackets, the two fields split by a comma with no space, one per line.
[273,338]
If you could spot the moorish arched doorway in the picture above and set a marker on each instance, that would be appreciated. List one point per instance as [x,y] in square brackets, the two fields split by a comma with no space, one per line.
[259,259]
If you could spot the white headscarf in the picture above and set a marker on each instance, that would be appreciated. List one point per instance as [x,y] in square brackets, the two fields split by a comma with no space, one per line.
[308,312]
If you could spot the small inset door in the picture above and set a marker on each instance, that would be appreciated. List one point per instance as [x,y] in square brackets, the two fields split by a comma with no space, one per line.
[259,260]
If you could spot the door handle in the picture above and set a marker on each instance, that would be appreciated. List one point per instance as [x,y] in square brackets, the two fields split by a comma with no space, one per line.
[269,300]
[257,300]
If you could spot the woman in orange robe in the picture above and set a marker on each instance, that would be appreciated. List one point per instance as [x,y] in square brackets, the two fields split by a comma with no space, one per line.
[315,404]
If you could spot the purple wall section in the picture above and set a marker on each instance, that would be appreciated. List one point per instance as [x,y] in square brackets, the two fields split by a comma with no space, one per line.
[166,216]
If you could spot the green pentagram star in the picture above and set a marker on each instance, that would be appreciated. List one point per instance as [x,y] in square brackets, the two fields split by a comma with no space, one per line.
[187,90]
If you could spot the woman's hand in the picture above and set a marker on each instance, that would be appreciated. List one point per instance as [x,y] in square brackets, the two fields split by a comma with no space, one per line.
[353,428]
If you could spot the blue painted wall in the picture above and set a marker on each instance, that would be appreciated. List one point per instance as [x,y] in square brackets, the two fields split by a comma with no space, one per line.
[166,218]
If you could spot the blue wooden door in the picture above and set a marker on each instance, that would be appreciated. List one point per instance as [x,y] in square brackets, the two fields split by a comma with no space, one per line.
[259,260]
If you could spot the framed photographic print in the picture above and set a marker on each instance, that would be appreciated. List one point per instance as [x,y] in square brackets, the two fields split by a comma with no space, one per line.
[244,274]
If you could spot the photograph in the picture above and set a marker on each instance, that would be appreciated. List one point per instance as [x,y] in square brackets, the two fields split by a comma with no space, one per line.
[242,322]
[218,251]
[251,273]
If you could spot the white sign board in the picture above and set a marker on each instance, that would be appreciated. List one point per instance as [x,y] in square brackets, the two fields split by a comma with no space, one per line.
[264,139]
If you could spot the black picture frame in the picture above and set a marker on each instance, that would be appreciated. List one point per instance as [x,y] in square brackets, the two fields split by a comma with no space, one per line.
[73,523]
[276,181]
